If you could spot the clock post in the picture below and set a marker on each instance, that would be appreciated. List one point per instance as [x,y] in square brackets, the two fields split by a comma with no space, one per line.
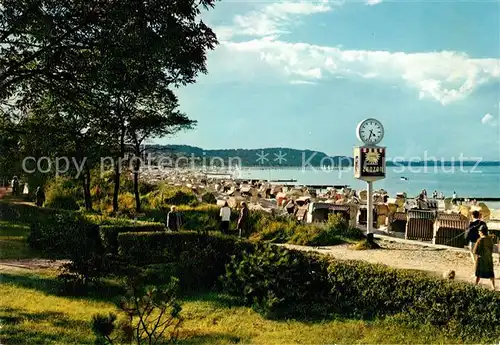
[369,163]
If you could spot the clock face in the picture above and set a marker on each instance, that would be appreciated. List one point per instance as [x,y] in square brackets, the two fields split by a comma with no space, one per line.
[370,131]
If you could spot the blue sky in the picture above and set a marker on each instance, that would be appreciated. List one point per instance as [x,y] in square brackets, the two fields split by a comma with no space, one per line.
[303,74]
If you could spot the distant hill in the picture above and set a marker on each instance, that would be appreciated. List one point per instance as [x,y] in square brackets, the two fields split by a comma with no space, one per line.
[278,157]
[267,157]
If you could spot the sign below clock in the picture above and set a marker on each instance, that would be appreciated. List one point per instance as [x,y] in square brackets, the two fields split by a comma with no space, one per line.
[369,163]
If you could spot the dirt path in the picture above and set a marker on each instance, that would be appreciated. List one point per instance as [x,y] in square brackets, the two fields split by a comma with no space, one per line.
[29,264]
[408,256]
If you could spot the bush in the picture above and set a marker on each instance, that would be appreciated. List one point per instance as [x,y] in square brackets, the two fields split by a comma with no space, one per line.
[278,282]
[63,193]
[209,198]
[286,230]
[276,231]
[26,213]
[166,195]
[109,233]
[281,282]
[199,260]
[65,234]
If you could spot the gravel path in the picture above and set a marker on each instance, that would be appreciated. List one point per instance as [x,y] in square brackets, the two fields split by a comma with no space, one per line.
[408,256]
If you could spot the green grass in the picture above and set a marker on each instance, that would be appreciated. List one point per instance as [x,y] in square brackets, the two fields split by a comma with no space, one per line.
[32,313]
[13,243]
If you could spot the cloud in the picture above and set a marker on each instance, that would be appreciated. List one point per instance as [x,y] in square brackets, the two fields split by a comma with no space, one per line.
[253,49]
[272,19]
[373,2]
[488,119]
[443,76]
[302,82]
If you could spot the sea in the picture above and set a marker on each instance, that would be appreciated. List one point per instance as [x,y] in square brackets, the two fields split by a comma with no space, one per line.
[466,182]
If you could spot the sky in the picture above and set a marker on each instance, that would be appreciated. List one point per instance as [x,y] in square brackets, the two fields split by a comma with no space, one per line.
[303,74]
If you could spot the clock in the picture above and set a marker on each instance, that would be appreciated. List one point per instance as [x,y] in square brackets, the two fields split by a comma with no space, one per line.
[370,131]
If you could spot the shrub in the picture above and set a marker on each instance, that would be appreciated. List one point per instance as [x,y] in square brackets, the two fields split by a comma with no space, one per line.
[276,231]
[166,195]
[109,233]
[199,260]
[63,193]
[209,198]
[276,282]
[26,213]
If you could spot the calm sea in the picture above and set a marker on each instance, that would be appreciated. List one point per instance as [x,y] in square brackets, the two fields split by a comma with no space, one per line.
[483,181]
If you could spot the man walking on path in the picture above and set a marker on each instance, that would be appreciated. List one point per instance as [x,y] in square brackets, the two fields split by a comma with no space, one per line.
[472,233]
[174,220]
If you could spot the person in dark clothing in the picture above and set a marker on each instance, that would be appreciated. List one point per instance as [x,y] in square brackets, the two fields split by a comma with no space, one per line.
[243,220]
[472,233]
[484,254]
[174,221]
[40,196]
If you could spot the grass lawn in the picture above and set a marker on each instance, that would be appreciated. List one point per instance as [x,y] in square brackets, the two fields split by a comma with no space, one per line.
[13,243]
[32,313]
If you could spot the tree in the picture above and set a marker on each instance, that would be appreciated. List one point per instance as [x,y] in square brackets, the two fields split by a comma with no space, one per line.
[112,53]
[151,120]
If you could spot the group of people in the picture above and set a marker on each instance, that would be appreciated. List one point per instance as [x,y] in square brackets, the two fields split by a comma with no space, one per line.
[481,247]
[174,219]
[16,191]
[435,195]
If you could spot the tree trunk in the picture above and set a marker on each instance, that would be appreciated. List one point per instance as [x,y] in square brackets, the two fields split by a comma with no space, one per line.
[137,166]
[116,179]
[136,192]
[86,188]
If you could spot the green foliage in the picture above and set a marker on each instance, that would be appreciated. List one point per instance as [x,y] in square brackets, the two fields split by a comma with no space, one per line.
[278,282]
[166,195]
[26,213]
[274,230]
[63,193]
[109,233]
[151,315]
[198,260]
[209,198]
[287,230]
[281,282]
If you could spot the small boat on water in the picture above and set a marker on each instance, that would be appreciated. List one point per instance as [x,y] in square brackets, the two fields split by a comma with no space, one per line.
[404,178]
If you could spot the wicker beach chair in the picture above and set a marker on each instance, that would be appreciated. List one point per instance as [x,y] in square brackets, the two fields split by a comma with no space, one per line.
[449,229]
[398,221]
[420,225]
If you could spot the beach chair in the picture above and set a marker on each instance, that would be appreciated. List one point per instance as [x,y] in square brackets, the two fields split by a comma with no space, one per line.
[449,229]
[398,221]
[420,225]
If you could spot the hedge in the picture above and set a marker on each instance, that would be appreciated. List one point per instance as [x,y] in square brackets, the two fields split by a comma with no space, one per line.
[109,233]
[280,282]
[197,259]
[15,212]
[65,235]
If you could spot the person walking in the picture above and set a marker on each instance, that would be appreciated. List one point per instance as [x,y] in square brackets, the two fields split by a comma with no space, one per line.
[243,220]
[484,256]
[174,221]
[435,194]
[40,196]
[225,215]
[472,233]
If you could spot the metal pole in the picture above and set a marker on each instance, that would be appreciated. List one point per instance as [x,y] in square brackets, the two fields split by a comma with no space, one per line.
[369,212]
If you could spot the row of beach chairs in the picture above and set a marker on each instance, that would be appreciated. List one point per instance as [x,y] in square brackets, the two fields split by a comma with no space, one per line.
[432,226]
